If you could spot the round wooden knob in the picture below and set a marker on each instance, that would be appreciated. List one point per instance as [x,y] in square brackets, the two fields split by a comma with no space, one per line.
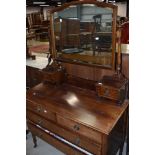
[76,127]
[77,141]
[39,121]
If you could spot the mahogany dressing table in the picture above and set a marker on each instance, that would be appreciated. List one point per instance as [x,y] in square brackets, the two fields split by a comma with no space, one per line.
[65,109]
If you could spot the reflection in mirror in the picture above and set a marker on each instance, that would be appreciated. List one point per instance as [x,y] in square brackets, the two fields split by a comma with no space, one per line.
[83,33]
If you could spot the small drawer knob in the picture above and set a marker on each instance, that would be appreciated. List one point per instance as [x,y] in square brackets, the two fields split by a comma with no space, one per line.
[38,109]
[106,92]
[77,141]
[40,135]
[76,127]
[45,111]
[39,121]
[34,93]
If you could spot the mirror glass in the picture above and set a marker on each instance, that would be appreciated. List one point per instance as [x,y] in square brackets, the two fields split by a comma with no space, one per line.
[83,33]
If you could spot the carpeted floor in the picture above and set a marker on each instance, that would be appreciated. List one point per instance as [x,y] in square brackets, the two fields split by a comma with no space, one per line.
[39,48]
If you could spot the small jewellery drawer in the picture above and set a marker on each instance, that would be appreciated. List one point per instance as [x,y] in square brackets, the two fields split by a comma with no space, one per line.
[48,77]
[107,92]
[80,141]
[40,110]
[113,94]
[54,77]
[53,141]
[81,129]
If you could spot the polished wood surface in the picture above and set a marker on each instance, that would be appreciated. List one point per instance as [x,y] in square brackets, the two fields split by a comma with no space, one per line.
[79,105]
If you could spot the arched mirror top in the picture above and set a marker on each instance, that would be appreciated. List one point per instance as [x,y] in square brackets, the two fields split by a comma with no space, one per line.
[84,32]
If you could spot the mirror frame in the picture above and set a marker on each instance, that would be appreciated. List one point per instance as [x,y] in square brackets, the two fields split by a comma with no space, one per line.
[98,4]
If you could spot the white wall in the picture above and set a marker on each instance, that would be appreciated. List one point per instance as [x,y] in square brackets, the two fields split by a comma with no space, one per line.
[32,10]
[122,7]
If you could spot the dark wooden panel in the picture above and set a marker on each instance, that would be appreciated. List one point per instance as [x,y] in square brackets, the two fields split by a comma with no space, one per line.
[99,73]
[86,72]
[80,71]
[80,82]
[93,73]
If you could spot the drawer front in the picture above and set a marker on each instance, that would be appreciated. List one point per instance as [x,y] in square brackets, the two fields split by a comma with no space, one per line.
[48,77]
[53,77]
[81,129]
[107,92]
[53,141]
[110,93]
[68,135]
[40,110]
[36,76]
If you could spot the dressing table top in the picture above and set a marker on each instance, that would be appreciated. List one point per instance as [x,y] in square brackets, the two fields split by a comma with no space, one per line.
[78,104]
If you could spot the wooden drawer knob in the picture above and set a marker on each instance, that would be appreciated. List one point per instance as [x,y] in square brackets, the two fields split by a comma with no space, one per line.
[34,93]
[38,109]
[40,135]
[106,92]
[77,141]
[76,127]
[40,121]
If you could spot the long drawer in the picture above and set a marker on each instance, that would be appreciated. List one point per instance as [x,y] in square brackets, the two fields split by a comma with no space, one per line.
[53,141]
[80,141]
[41,110]
[81,129]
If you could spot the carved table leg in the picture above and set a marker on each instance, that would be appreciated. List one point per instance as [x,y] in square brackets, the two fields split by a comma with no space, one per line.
[34,140]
